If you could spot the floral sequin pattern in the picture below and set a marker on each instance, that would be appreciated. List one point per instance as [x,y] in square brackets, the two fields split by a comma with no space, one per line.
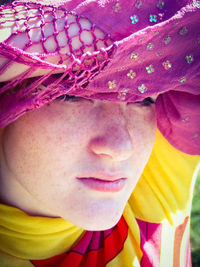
[160,4]
[122,94]
[134,56]
[150,69]
[183,31]
[142,88]
[183,80]
[138,4]
[134,19]
[195,135]
[112,84]
[167,40]
[153,18]
[150,46]
[131,74]
[186,119]
[116,7]
[167,65]
[189,58]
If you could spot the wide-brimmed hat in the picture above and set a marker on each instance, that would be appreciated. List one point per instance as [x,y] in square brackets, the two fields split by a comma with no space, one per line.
[134,50]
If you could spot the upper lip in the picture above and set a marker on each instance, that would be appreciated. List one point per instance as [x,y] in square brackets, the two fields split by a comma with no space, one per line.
[105,176]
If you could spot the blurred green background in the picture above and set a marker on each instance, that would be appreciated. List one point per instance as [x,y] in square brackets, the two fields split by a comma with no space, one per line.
[195,225]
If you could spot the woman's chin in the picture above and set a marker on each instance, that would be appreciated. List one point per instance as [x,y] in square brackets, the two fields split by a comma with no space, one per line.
[97,223]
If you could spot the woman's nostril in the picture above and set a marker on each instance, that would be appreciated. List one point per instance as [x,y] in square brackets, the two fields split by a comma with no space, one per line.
[114,144]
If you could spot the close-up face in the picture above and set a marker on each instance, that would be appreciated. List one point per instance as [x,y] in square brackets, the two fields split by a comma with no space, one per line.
[77,159]
[74,158]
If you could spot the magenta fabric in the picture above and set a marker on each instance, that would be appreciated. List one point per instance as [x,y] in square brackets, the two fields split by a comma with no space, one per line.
[155,50]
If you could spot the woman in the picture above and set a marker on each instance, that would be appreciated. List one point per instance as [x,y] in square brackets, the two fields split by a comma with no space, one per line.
[86,179]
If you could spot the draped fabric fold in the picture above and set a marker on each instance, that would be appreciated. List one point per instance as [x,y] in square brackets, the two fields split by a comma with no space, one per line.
[150,48]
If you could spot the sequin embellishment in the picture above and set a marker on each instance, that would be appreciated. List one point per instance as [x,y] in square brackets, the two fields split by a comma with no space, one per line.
[122,94]
[153,18]
[112,84]
[186,119]
[150,46]
[182,80]
[131,74]
[142,88]
[138,4]
[196,3]
[150,69]
[159,54]
[134,56]
[195,135]
[167,39]
[183,31]
[189,58]
[117,7]
[167,65]
[134,19]
[160,4]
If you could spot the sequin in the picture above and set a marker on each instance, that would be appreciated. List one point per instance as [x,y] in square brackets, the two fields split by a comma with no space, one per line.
[186,119]
[150,46]
[189,58]
[142,88]
[156,33]
[141,40]
[122,94]
[134,56]
[150,69]
[134,19]
[160,4]
[153,18]
[195,136]
[167,65]
[112,84]
[131,74]
[196,3]
[121,68]
[167,40]
[117,7]
[159,54]
[138,4]
[182,80]
[183,31]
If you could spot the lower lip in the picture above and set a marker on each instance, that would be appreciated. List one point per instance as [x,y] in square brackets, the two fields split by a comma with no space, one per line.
[102,185]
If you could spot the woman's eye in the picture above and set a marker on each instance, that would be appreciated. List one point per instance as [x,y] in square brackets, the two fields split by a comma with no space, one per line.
[148,101]
[70,98]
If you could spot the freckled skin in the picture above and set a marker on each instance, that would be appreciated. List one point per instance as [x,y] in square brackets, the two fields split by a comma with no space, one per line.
[43,152]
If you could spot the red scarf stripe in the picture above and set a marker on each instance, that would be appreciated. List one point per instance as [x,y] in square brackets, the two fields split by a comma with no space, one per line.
[113,244]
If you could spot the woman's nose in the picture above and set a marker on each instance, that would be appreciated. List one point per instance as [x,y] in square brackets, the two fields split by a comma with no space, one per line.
[114,142]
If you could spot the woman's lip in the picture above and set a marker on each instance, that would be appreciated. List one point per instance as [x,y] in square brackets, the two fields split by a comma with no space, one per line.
[103,185]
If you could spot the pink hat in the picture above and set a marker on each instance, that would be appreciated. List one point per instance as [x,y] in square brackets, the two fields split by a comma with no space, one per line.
[136,50]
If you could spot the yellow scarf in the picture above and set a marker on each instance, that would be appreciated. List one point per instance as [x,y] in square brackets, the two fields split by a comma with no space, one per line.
[33,237]
[163,195]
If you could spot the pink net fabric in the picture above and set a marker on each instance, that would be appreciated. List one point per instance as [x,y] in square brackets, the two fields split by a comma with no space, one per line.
[153,48]
[56,37]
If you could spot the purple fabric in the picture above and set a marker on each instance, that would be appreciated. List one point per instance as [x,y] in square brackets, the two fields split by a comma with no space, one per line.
[156,50]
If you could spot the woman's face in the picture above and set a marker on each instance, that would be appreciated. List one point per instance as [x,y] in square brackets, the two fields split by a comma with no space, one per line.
[67,159]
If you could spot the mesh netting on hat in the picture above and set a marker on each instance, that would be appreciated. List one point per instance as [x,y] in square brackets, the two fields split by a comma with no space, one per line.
[44,40]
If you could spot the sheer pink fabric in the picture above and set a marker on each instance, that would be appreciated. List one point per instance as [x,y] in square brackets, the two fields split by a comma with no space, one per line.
[137,49]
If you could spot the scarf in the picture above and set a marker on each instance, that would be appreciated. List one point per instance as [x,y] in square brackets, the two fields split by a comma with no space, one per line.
[104,50]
